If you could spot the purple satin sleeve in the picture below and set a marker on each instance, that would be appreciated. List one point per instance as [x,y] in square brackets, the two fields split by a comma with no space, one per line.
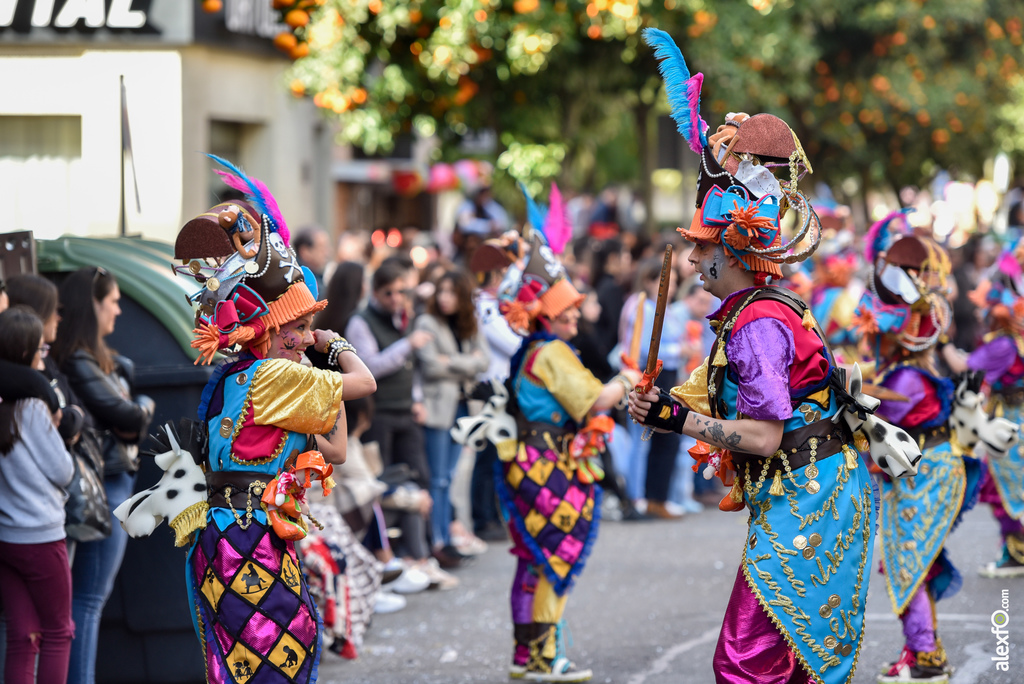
[995,358]
[761,353]
[910,384]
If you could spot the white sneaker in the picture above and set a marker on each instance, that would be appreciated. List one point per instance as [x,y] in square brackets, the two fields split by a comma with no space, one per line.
[439,579]
[411,581]
[388,602]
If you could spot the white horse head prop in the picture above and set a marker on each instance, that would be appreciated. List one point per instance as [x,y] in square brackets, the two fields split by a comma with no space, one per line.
[892,449]
[179,496]
[972,425]
[492,424]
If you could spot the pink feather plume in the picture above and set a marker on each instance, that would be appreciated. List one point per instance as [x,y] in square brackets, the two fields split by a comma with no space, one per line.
[263,197]
[557,228]
[698,126]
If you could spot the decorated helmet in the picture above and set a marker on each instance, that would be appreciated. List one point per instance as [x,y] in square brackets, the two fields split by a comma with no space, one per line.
[251,282]
[1000,293]
[907,299]
[740,201]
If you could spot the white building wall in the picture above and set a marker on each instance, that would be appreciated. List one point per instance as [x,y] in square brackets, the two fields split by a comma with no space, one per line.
[82,197]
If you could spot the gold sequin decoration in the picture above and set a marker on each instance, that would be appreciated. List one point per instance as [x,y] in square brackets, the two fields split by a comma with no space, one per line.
[212,284]
[813,487]
[815,539]
[241,378]
[809,553]
[825,612]
[831,641]
[227,426]
[811,471]
[799,542]
[846,649]
[834,600]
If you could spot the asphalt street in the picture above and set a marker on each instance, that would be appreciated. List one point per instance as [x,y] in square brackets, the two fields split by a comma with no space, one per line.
[648,608]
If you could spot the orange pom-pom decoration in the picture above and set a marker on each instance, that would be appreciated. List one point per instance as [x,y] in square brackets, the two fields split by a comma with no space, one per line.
[745,226]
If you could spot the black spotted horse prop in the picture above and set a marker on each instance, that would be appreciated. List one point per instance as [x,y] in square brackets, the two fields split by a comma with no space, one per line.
[179,497]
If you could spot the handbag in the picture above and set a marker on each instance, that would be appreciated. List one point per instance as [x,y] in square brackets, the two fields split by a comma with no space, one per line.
[86,512]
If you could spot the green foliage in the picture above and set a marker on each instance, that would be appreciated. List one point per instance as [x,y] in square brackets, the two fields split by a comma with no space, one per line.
[883,90]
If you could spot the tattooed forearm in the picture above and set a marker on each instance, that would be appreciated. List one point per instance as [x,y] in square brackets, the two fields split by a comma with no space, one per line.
[714,433]
[334,430]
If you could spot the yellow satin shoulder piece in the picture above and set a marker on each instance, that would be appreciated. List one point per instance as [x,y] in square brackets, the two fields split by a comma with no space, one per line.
[294,397]
[694,392]
[568,380]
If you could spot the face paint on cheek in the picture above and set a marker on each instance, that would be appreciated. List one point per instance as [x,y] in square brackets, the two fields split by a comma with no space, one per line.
[289,341]
[717,264]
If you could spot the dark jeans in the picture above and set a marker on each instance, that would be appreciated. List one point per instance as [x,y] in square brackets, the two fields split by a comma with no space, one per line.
[443,455]
[483,498]
[93,574]
[661,464]
[401,441]
[35,583]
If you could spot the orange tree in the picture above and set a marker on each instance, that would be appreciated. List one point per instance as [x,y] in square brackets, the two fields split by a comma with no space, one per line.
[884,91]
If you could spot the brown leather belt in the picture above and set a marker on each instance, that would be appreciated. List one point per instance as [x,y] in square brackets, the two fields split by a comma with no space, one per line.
[796,445]
[536,434]
[932,438]
[218,482]
[1013,396]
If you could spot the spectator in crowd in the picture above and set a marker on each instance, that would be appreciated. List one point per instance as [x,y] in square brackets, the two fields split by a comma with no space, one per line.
[477,218]
[610,272]
[692,309]
[381,332]
[502,343]
[345,291]
[449,362]
[35,469]
[103,381]
[313,249]
[652,461]
[40,295]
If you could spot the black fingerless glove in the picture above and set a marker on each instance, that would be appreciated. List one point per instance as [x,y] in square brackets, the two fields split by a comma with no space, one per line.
[318,359]
[667,413]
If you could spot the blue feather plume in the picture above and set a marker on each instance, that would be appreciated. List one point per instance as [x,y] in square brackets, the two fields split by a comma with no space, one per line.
[682,89]
[535,214]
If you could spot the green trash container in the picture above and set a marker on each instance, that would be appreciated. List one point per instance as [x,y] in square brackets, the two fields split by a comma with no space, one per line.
[146,633]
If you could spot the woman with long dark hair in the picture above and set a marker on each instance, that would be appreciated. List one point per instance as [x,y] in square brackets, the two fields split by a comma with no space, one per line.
[35,581]
[103,381]
[345,291]
[449,363]
[40,295]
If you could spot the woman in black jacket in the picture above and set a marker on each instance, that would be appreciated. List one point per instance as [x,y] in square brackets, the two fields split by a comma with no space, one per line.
[103,382]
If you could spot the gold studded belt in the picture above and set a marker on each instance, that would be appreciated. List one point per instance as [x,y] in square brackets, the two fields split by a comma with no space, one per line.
[1011,396]
[545,436]
[796,445]
[228,489]
[931,438]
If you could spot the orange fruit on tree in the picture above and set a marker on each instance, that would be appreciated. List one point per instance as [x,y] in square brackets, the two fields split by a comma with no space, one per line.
[299,51]
[285,41]
[296,18]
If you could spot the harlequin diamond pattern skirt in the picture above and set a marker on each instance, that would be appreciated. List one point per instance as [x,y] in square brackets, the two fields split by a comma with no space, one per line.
[253,613]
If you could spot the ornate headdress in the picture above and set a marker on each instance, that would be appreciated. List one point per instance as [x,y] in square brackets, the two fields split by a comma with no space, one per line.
[1000,294]
[907,298]
[251,280]
[541,287]
[739,199]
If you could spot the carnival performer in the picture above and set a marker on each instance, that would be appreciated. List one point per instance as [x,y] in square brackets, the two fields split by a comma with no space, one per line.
[902,318]
[835,292]
[549,491]
[1001,358]
[262,411]
[763,405]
